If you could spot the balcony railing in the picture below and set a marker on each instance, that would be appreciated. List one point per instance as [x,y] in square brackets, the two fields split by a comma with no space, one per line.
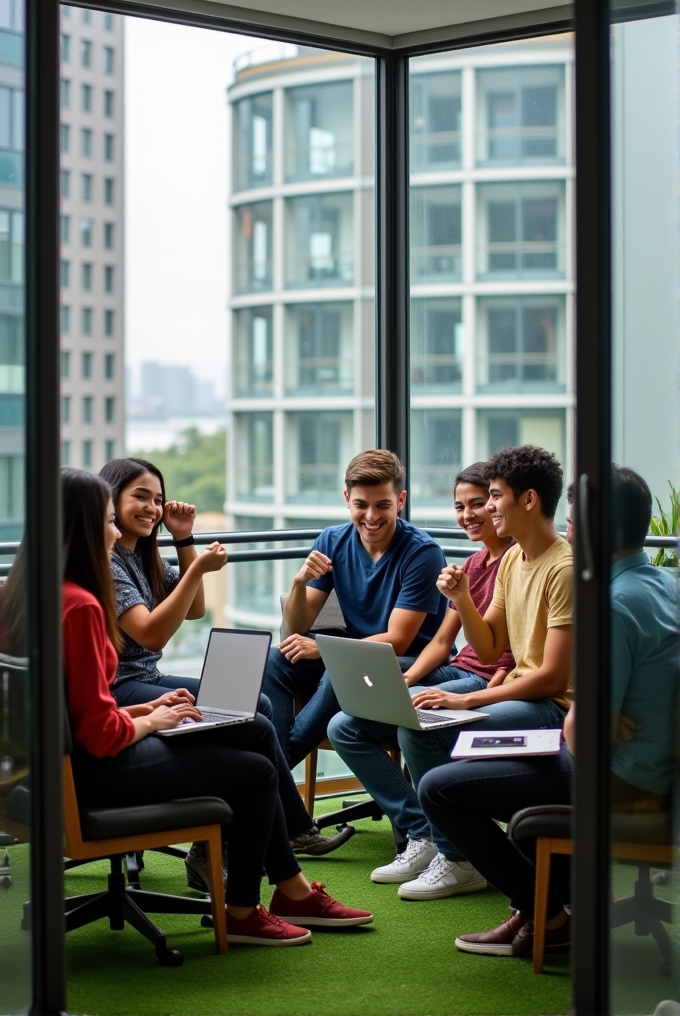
[435,370]
[320,269]
[320,374]
[517,144]
[530,368]
[435,150]
[9,548]
[515,258]
[434,263]
[254,379]
[320,161]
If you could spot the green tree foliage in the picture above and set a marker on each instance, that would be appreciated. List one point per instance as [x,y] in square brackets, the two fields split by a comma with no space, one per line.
[194,469]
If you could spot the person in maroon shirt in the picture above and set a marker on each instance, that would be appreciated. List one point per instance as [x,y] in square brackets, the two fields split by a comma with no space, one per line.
[357,741]
[118,761]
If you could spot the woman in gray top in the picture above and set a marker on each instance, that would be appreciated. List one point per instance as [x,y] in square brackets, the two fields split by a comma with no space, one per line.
[152,601]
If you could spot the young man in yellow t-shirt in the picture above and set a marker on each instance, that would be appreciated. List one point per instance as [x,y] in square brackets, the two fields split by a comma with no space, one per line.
[531,611]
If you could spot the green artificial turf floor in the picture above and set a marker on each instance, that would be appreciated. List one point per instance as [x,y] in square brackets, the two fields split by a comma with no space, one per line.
[405,964]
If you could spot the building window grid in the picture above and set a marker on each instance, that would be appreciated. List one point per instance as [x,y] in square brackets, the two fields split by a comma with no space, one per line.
[86,98]
[459,370]
[85,53]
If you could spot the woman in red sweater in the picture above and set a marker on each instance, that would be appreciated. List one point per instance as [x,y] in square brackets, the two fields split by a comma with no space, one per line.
[118,761]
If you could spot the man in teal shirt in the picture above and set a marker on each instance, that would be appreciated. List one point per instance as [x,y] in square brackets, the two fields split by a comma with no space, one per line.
[644,645]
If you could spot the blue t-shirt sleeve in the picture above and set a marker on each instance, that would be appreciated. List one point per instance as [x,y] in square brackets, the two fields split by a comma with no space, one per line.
[418,588]
[622,655]
[322,543]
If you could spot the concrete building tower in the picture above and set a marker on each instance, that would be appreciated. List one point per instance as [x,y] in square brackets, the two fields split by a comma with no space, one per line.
[92,205]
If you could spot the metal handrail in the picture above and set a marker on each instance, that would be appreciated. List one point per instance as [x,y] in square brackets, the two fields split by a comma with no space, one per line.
[290,535]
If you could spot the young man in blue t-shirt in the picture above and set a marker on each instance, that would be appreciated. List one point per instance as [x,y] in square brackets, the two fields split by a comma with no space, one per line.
[384,572]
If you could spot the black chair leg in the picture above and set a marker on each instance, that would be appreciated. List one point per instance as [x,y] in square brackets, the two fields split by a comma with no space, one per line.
[138,920]
[162,903]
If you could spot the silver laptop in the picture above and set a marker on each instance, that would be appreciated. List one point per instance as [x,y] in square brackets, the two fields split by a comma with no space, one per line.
[231,679]
[368,682]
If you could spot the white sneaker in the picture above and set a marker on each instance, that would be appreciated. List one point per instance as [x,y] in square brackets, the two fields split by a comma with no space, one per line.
[441,879]
[412,861]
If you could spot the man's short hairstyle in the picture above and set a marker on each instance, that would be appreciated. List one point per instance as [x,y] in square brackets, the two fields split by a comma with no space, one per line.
[528,468]
[473,474]
[373,467]
[631,509]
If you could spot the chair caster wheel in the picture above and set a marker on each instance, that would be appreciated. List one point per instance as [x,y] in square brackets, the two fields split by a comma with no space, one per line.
[170,958]
[207,921]
[6,882]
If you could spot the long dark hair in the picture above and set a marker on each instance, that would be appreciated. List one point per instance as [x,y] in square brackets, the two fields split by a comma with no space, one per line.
[472,474]
[85,498]
[13,606]
[119,474]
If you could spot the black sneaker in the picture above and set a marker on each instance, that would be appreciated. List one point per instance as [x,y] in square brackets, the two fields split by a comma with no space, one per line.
[197,869]
[314,842]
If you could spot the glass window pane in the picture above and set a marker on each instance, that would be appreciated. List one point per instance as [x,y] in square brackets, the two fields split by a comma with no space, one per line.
[319,130]
[253,247]
[16,693]
[253,140]
[319,241]
[643,956]
[320,348]
[491,278]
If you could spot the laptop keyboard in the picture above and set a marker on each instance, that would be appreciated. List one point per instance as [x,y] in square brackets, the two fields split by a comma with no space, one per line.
[426,718]
[218,717]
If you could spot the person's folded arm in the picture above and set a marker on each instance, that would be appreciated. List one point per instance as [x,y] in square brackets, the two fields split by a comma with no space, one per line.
[550,680]
[402,627]
[153,629]
[488,635]
[438,651]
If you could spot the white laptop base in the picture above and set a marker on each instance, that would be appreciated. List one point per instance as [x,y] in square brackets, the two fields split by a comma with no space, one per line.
[368,683]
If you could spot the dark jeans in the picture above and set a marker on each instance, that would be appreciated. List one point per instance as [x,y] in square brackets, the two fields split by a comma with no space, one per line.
[298,820]
[236,763]
[307,679]
[462,800]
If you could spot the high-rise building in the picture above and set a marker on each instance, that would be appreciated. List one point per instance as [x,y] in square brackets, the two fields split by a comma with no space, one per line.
[92,270]
[12,386]
[491,176]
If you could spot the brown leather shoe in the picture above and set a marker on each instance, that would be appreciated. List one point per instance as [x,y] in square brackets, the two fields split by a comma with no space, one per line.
[557,940]
[498,941]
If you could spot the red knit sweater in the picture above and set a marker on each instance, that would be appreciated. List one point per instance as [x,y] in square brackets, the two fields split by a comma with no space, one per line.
[90,663]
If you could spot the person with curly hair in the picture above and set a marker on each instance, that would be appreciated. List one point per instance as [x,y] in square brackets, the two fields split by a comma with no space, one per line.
[530,611]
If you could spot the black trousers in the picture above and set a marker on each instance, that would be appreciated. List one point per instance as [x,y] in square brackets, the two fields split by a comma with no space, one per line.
[298,819]
[462,800]
[238,764]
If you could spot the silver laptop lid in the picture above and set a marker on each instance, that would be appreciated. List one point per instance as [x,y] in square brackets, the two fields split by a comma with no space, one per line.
[367,680]
[233,670]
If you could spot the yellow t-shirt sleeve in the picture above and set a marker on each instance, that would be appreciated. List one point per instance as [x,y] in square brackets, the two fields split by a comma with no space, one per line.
[559,595]
[498,599]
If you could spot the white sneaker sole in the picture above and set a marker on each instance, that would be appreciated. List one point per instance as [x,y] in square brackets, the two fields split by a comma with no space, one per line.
[326,922]
[254,940]
[441,894]
[484,949]
[395,879]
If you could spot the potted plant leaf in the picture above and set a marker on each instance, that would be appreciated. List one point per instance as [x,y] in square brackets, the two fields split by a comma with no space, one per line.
[667,525]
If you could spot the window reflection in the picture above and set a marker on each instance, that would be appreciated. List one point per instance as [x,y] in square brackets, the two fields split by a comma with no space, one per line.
[320,348]
[320,241]
[319,134]
[253,141]
[253,247]
[521,115]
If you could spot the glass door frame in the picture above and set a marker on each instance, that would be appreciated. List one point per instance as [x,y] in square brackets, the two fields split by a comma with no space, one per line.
[593,438]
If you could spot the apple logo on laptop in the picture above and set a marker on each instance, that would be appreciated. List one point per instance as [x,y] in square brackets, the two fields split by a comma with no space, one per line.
[368,680]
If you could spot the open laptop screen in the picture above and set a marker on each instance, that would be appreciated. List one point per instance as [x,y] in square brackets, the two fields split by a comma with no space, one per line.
[233,670]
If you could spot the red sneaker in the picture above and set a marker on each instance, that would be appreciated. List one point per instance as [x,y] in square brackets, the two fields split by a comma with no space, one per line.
[317,908]
[263,928]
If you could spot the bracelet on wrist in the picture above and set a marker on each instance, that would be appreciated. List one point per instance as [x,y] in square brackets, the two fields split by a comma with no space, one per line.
[188,542]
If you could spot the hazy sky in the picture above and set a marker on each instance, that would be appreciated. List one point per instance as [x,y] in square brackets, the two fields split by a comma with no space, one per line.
[176,193]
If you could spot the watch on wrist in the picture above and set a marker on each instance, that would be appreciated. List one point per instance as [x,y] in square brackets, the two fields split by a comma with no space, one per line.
[188,542]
